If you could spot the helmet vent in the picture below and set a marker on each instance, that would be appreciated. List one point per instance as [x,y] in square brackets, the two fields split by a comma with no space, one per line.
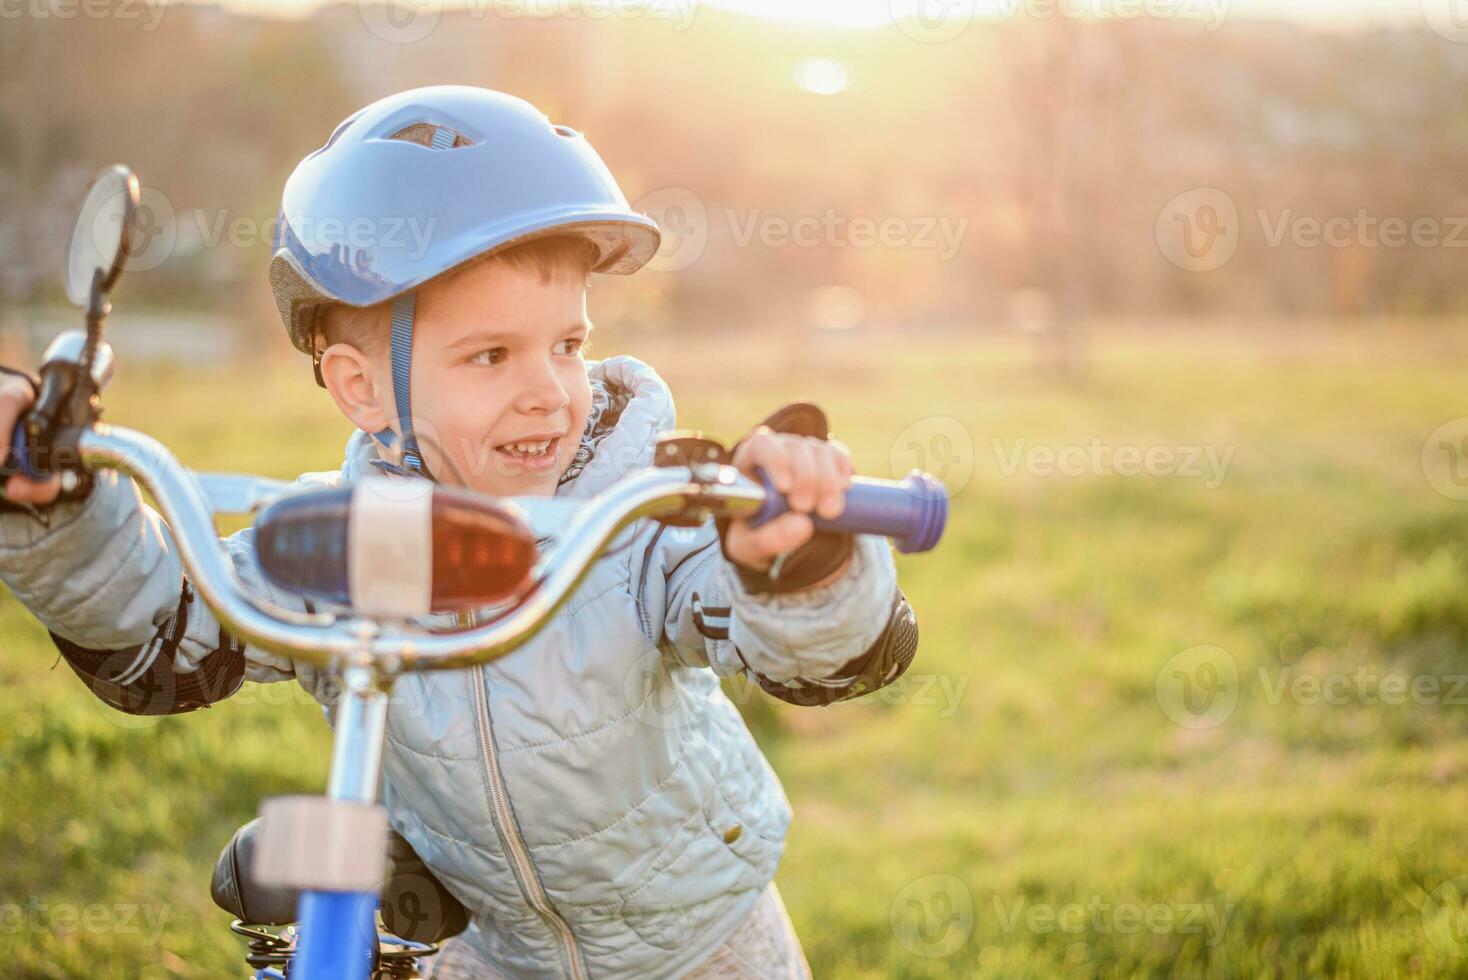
[423,133]
[566,131]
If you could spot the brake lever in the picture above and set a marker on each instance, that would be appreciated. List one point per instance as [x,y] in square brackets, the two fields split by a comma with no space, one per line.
[43,442]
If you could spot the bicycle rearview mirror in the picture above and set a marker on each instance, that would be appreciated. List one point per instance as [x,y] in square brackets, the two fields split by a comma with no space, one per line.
[99,239]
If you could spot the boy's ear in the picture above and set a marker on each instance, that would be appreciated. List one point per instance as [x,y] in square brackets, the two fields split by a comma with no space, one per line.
[356,387]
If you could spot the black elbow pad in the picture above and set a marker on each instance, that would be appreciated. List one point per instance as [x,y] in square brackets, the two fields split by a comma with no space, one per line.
[881,664]
[141,680]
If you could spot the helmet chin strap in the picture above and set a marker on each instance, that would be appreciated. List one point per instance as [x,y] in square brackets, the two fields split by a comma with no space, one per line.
[403,309]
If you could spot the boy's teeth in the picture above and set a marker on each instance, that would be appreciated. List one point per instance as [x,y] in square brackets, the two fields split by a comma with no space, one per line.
[529,448]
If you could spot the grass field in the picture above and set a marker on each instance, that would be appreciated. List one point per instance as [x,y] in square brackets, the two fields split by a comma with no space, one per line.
[1204,720]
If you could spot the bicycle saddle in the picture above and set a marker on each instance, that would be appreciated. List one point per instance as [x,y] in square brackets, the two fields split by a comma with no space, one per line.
[415,905]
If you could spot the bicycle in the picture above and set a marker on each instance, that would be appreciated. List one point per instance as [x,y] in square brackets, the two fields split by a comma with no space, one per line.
[331,850]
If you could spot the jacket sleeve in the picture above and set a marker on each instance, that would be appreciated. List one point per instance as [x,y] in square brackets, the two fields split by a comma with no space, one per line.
[815,647]
[103,575]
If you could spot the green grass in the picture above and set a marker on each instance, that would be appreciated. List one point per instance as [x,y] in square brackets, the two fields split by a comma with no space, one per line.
[1024,806]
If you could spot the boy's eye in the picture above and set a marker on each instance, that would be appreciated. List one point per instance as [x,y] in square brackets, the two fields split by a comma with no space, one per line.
[492,356]
[570,345]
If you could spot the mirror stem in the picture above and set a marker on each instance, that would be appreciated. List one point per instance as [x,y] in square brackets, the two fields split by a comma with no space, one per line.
[97,309]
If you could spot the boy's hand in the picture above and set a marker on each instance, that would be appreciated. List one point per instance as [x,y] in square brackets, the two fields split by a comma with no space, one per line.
[813,474]
[15,397]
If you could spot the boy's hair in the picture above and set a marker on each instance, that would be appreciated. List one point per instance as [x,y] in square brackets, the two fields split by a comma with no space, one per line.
[557,258]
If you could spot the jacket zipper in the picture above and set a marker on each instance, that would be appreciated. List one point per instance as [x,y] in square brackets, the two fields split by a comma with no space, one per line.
[509,831]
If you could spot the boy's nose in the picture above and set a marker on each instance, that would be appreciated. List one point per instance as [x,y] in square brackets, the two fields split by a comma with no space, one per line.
[541,391]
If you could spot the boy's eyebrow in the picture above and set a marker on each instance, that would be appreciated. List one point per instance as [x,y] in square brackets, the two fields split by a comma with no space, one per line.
[490,337]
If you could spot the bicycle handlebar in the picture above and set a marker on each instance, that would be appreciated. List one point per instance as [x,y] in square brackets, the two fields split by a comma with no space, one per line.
[325,639]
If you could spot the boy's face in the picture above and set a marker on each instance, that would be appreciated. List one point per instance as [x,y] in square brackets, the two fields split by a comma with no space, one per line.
[499,383]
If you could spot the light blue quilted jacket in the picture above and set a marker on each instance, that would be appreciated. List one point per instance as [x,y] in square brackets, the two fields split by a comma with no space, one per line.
[594,799]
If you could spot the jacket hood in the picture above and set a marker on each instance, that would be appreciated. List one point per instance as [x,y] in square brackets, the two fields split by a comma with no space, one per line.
[630,406]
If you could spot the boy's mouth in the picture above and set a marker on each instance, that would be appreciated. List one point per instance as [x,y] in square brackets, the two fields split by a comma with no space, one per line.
[537,453]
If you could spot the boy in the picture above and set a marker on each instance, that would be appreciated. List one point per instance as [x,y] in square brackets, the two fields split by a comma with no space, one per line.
[587,833]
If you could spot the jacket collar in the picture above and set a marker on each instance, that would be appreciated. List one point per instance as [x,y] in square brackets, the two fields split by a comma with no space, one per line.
[630,406]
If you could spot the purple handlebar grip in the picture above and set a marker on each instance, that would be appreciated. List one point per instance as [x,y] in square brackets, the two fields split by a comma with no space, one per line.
[912,513]
[17,451]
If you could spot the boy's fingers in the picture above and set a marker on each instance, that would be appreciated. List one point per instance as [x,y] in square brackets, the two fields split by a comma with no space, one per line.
[15,398]
[843,457]
[23,490]
[833,485]
[761,450]
[785,533]
[806,473]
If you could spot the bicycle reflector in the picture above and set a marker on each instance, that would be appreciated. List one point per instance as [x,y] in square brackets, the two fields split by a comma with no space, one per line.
[394,547]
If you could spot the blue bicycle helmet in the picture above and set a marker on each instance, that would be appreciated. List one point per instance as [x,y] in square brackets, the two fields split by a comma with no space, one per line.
[420,183]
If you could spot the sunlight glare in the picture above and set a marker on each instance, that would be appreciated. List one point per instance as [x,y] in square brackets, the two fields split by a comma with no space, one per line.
[822,76]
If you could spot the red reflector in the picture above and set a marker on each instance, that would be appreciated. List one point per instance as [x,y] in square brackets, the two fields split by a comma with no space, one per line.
[482,553]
